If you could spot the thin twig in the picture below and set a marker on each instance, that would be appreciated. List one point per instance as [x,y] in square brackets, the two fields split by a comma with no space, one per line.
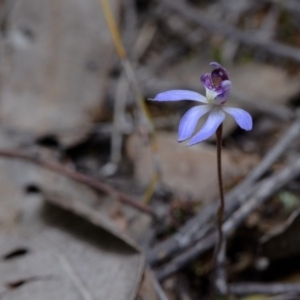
[79,177]
[220,276]
[185,258]
[264,190]
[159,290]
[119,123]
[264,288]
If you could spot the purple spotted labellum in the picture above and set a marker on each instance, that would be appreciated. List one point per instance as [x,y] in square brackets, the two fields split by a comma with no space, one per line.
[218,87]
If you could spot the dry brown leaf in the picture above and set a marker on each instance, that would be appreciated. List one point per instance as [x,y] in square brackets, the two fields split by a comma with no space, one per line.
[55,61]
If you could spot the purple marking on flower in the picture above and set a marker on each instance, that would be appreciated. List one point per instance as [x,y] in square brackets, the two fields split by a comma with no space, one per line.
[218,87]
[207,81]
[217,84]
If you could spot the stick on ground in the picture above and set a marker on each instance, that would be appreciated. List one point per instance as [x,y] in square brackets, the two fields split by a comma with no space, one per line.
[264,191]
[79,177]
[264,288]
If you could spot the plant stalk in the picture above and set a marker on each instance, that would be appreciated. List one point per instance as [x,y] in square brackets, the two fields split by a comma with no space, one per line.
[219,134]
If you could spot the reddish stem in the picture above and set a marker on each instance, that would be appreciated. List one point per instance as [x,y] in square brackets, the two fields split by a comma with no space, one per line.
[219,133]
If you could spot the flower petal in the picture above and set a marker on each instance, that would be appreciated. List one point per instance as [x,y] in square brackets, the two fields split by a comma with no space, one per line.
[215,118]
[218,91]
[219,71]
[215,64]
[211,91]
[206,80]
[177,95]
[189,121]
[223,95]
[243,118]
[226,86]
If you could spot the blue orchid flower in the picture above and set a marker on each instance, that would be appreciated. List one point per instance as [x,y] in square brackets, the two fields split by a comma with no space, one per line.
[218,87]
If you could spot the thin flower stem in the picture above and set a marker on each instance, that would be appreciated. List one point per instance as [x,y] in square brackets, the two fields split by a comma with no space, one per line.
[220,252]
[219,133]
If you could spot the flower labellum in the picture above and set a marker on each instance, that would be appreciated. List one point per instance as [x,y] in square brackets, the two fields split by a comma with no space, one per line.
[218,87]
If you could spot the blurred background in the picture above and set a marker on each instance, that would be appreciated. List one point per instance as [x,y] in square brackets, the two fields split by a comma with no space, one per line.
[86,160]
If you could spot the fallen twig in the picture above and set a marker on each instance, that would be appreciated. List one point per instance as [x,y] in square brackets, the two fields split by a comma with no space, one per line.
[264,190]
[264,288]
[79,177]
[159,290]
[183,259]
[220,274]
